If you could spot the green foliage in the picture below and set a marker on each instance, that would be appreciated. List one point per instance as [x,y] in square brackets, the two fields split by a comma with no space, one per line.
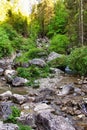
[15,113]
[28,43]
[5,43]
[59,43]
[18,22]
[77,60]
[36,53]
[24,127]
[42,14]
[13,36]
[60,62]
[12,119]
[9,31]
[34,28]
[59,20]
[32,73]
[31,52]
[10,40]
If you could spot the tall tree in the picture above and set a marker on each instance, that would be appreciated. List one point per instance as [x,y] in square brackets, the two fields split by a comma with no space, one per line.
[81,22]
[59,21]
[43,12]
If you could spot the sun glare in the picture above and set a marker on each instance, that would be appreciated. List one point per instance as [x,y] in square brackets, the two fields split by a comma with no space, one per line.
[25,6]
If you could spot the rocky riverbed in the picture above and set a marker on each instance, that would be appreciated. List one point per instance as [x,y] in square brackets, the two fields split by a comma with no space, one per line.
[60,102]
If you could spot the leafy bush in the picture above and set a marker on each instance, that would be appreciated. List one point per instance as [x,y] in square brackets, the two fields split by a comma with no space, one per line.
[9,40]
[9,31]
[18,22]
[60,62]
[36,53]
[33,72]
[59,43]
[28,43]
[77,60]
[5,44]
[32,53]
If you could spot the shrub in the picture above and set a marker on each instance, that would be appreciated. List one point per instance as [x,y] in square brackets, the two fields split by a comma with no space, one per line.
[36,53]
[5,44]
[9,31]
[78,60]
[31,53]
[10,39]
[33,72]
[18,22]
[59,43]
[28,43]
[60,62]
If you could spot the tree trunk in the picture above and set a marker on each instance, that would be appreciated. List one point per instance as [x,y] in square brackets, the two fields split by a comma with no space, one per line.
[82,33]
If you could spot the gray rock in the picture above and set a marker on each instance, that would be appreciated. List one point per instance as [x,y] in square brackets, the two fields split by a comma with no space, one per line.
[20,99]
[8,126]
[67,89]
[5,109]
[38,62]
[52,56]
[48,121]
[9,74]
[3,64]
[6,95]
[56,71]
[42,107]
[1,71]
[49,82]
[69,71]
[18,81]
[27,119]
[47,91]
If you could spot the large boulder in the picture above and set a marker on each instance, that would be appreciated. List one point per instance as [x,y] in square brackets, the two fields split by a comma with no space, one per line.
[48,121]
[52,56]
[19,81]
[38,62]
[8,126]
